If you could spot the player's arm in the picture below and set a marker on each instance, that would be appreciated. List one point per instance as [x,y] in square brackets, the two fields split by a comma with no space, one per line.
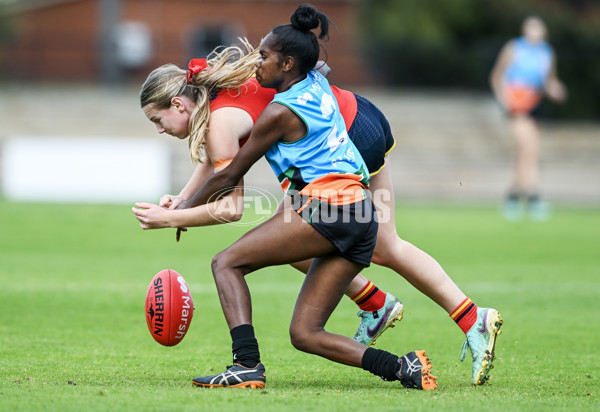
[201,173]
[497,74]
[270,127]
[553,87]
[227,127]
[225,210]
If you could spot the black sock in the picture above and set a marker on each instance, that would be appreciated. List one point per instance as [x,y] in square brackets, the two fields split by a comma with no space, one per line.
[532,198]
[381,363]
[244,346]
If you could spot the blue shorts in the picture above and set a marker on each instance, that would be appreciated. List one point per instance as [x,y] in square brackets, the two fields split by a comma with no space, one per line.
[371,134]
[351,228]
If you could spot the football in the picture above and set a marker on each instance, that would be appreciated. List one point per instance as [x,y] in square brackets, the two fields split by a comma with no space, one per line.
[169,307]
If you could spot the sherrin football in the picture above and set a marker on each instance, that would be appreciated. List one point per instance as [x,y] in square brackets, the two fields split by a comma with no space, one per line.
[169,307]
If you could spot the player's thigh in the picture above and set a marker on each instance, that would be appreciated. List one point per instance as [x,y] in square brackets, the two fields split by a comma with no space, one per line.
[282,239]
[322,290]
[382,192]
[285,203]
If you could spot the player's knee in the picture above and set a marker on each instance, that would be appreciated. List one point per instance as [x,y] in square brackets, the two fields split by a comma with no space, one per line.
[301,339]
[379,257]
[384,250]
[219,262]
[228,262]
[389,249]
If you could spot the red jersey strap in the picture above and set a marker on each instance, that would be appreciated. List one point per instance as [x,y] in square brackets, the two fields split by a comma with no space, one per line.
[347,102]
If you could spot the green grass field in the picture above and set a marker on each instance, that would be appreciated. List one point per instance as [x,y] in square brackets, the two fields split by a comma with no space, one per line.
[73,335]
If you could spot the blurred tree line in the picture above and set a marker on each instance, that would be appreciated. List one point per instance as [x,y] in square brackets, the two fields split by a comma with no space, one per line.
[5,26]
[454,43]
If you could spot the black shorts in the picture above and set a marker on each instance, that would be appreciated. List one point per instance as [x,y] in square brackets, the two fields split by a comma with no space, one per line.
[533,112]
[351,228]
[371,134]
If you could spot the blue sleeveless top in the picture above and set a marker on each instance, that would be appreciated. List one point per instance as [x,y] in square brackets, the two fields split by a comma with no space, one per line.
[325,150]
[530,65]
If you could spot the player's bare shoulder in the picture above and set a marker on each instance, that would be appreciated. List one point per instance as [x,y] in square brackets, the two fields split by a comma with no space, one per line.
[283,118]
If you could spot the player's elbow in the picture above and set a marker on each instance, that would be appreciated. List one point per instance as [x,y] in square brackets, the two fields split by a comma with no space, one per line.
[238,211]
[236,217]
[232,216]
[228,209]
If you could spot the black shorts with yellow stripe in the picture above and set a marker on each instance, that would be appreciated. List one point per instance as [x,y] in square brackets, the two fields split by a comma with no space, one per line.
[351,228]
[371,134]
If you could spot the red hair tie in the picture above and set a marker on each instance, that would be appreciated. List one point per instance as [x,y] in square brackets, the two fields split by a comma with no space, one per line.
[195,67]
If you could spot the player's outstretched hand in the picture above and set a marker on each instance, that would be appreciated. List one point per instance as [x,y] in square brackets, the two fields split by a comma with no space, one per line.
[170,201]
[151,216]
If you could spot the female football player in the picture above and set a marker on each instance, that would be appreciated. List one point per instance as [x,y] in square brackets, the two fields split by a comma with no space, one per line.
[524,72]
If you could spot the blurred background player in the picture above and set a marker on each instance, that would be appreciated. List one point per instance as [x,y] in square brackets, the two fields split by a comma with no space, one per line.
[524,72]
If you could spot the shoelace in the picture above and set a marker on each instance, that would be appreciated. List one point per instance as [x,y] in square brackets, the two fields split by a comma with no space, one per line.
[463,350]
[361,314]
[362,326]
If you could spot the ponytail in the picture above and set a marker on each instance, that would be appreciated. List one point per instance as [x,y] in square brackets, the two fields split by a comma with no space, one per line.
[306,18]
[298,40]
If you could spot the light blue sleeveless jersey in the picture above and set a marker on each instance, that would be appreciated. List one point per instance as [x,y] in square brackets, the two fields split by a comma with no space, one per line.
[530,65]
[325,148]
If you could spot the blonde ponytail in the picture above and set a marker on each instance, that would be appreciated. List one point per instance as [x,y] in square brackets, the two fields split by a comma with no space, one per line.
[227,68]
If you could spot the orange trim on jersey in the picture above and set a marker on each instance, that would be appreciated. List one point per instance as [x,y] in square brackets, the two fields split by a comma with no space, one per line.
[304,205]
[285,184]
[221,163]
[336,189]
